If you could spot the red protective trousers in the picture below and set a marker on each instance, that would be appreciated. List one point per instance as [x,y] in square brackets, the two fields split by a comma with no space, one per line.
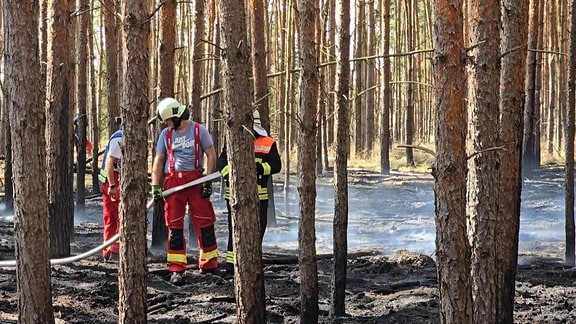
[202,216]
[110,206]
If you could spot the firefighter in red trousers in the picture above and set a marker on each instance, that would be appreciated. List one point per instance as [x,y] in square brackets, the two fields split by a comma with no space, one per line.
[179,160]
[109,178]
[267,161]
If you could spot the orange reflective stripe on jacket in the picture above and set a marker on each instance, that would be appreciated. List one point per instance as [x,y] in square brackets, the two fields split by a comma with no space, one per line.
[262,145]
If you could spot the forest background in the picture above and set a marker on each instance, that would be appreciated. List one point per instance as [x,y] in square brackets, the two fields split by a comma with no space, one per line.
[332,81]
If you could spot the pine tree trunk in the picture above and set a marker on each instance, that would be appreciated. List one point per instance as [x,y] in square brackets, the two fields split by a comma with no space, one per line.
[484,162]
[309,89]
[338,305]
[569,163]
[132,272]
[514,34]
[27,121]
[249,274]
[452,247]
[59,131]
[111,25]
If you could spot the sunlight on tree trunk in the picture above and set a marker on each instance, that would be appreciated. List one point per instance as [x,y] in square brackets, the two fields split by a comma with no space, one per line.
[449,170]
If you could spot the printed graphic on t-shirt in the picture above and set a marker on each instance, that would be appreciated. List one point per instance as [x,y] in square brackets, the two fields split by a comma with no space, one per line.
[183,143]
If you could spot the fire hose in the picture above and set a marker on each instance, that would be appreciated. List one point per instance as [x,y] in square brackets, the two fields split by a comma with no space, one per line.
[149,205]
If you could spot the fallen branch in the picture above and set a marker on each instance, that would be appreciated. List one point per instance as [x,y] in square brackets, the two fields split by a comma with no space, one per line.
[425,149]
[293,259]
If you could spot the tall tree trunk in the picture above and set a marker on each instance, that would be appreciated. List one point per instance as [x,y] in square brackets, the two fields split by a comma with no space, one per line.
[7,148]
[166,75]
[58,131]
[94,112]
[198,52]
[132,272]
[338,305]
[371,48]
[385,138]
[260,81]
[515,34]
[529,160]
[249,274]
[167,48]
[359,44]
[111,29]
[27,121]
[286,119]
[410,92]
[569,133]
[82,99]
[331,80]
[309,89]
[452,247]
[484,162]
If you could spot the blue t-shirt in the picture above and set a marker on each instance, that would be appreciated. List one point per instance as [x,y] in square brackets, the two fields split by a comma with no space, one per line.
[183,147]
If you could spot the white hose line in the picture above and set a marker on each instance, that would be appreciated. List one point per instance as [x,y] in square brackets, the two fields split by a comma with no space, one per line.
[149,205]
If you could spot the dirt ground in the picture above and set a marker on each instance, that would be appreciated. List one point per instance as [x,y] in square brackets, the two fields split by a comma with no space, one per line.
[396,288]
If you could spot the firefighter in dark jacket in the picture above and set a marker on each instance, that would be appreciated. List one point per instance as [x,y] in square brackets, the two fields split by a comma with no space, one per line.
[267,160]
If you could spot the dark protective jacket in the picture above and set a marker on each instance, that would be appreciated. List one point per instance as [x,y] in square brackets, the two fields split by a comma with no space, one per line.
[266,158]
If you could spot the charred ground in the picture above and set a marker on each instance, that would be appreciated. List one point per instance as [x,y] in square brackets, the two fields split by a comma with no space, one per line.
[396,288]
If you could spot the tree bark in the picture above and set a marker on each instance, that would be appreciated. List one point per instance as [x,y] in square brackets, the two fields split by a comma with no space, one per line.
[27,122]
[82,101]
[410,91]
[249,274]
[59,130]
[111,29]
[166,78]
[514,35]
[197,62]
[529,159]
[359,102]
[338,304]
[452,247]
[569,133]
[309,89]
[385,139]
[484,165]
[132,272]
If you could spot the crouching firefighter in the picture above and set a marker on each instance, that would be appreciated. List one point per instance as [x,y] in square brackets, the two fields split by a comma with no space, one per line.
[179,159]
[109,178]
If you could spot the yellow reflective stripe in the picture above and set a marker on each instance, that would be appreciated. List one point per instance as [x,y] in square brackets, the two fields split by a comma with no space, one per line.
[267,168]
[102,176]
[176,257]
[205,256]
[227,195]
[262,193]
[225,170]
[230,257]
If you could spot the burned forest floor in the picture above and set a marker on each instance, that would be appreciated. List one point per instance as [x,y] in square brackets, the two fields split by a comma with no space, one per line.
[399,287]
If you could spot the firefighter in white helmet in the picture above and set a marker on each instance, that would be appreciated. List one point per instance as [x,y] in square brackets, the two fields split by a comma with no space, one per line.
[267,162]
[179,159]
[109,178]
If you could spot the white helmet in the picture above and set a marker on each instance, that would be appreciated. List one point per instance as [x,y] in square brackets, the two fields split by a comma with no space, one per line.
[171,108]
[257,125]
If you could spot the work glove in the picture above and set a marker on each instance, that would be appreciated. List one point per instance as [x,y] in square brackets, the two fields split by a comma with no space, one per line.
[259,168]
[156,192]
[206,189]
